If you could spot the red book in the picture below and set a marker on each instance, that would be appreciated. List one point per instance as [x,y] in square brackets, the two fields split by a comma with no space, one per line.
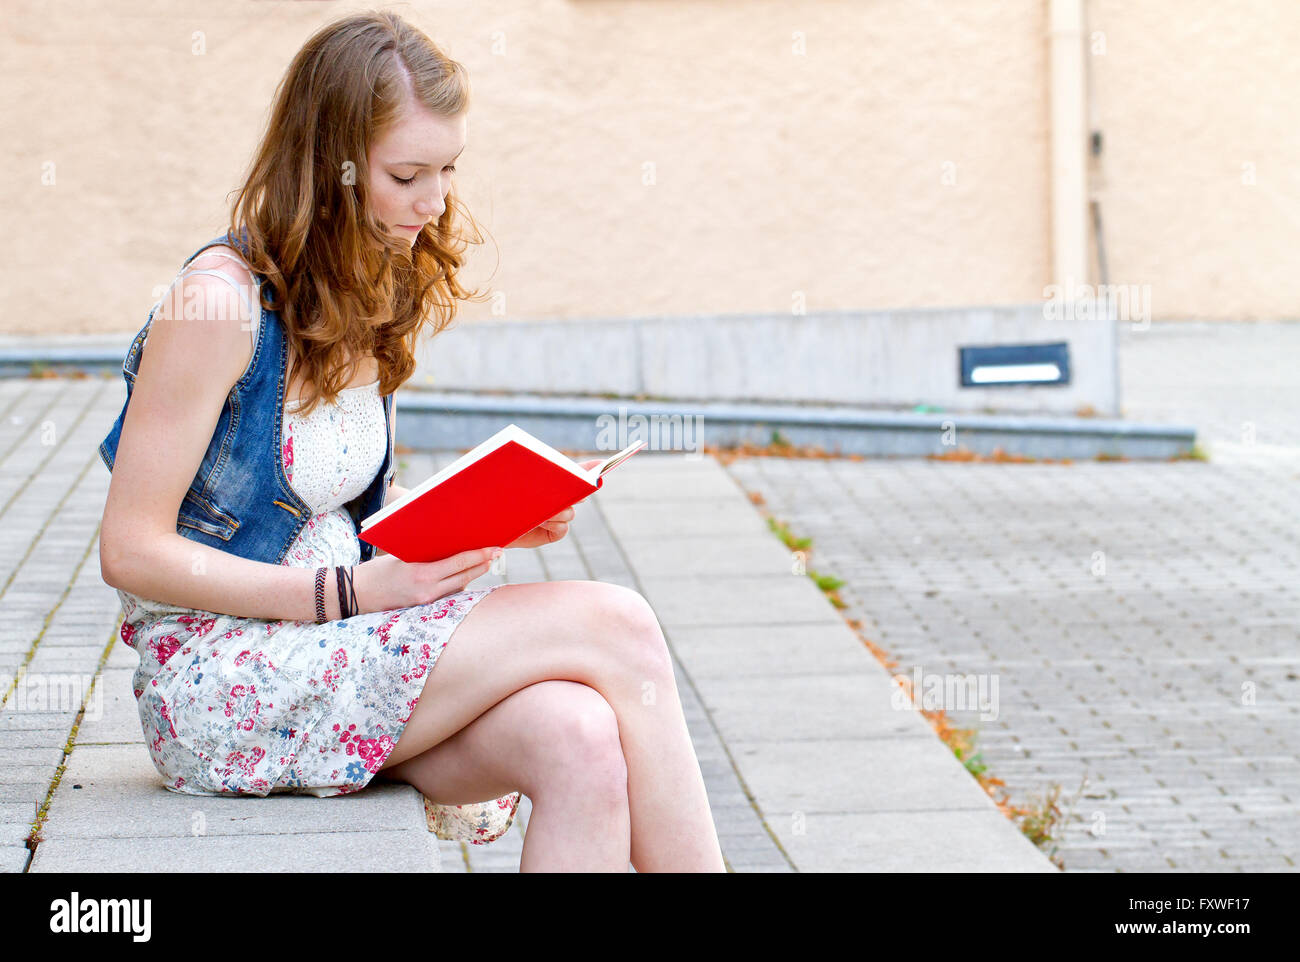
[489,496]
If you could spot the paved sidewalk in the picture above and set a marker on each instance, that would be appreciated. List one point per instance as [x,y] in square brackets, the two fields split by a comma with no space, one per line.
[1143,619]
[808,768]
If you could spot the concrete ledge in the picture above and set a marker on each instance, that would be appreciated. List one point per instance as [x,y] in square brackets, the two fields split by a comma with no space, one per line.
[92,350]
[111,813]
[384,851]
[460,420]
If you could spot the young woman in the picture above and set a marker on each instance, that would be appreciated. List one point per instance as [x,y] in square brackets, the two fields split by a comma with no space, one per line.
[278,652]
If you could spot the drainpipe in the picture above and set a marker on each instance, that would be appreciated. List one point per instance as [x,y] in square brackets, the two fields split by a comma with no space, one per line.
[1069,146]
[1095,179]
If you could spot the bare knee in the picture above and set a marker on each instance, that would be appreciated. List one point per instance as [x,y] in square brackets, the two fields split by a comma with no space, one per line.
[574,745]
[624,618]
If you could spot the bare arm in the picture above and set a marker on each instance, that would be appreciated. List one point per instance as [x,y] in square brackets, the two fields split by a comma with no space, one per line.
[188,368]
[395,493]
[175,570]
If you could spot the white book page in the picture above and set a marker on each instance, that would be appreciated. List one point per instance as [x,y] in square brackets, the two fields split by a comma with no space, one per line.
[614,460]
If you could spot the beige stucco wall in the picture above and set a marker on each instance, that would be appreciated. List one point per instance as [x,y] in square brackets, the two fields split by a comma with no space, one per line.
[1188,93]
[899,160]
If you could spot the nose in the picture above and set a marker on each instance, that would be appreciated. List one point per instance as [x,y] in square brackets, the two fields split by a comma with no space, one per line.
[430,210]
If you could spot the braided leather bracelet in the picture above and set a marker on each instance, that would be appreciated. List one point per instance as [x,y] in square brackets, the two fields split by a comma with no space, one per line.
[347,595]
[320,596]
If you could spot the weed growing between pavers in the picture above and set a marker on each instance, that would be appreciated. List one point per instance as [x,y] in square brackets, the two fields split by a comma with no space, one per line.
[1040,819]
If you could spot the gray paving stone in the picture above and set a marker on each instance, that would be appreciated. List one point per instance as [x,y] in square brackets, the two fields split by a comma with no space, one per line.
[729,557]
[936,841]
[118,720]
[14,833]
[13,811]
[749,829]
[755,600]
[711,651]
[122,656]
[80,658]
[32,737]
[862,775]
[13,858]
[747,867]
[452,859]
[44,756]
[810,707]
[681,518]
[18,780]
[650,481]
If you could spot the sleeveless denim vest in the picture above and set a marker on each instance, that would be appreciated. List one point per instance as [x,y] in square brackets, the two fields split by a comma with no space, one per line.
[240,500]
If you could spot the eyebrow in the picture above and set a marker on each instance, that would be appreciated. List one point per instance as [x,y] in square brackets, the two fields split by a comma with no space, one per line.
[416,163]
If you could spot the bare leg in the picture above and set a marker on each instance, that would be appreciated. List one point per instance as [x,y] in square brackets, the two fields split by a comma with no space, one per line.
[603,636]
[557,741]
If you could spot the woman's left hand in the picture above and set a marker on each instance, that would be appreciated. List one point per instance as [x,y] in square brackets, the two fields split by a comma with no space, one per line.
[552,529]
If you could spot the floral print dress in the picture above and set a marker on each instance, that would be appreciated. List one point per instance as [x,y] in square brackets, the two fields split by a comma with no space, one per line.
[234,705]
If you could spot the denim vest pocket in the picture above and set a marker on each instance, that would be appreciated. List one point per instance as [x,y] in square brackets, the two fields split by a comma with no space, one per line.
[203,515]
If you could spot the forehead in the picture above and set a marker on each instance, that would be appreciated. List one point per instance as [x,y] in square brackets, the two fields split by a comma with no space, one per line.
[420,134]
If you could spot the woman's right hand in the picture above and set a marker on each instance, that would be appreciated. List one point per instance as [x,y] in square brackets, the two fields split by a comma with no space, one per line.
[385,582]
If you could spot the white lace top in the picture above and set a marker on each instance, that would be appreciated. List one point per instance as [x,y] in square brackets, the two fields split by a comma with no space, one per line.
[327,472]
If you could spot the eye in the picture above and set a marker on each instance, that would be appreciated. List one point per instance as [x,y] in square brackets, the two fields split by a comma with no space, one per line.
[411,180]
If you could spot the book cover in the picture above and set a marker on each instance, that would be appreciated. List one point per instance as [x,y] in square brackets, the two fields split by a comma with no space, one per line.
[491,495]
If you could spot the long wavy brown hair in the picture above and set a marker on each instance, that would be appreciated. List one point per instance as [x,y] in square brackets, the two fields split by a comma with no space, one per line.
[343,285]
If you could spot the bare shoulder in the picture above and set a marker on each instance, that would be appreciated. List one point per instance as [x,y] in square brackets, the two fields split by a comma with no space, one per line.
[203,324]
[226,259]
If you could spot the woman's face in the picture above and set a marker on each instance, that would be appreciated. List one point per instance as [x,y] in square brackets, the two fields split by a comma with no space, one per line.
[411,169]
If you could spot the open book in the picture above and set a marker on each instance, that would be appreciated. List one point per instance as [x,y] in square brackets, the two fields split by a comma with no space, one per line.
[489,496]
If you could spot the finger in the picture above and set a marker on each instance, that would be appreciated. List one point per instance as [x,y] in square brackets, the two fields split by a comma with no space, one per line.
[467,559]
[458,581]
